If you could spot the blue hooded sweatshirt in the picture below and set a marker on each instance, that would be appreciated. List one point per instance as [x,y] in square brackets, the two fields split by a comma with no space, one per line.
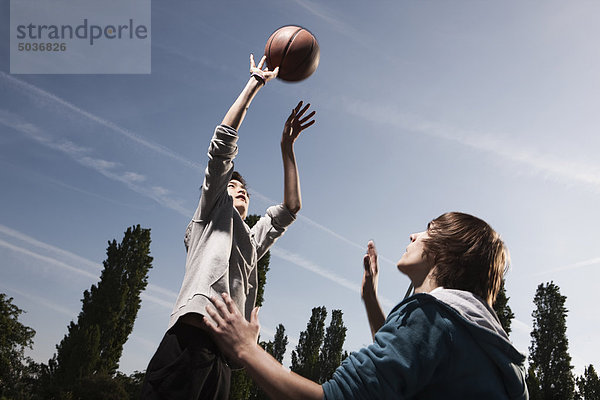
[445,345]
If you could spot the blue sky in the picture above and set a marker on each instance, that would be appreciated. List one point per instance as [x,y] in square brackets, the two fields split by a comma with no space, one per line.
[422,107]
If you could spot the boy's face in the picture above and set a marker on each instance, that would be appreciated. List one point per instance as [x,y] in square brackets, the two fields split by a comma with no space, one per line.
[241,200]
[413,262]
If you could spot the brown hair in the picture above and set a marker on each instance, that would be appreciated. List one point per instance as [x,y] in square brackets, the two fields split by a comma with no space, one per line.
[467,254]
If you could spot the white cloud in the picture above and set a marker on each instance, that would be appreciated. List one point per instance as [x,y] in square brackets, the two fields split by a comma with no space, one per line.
[547,165]
[96,163]
[104,167]
[133,177]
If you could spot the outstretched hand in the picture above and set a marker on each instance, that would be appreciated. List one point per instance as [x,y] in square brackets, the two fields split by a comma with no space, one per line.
[232,333]
[265,74]
[371,272]
[296,124]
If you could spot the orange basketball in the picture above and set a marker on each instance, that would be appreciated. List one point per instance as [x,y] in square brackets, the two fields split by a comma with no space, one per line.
[295,51]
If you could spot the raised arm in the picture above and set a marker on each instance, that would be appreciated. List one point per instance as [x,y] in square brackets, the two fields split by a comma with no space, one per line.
[295,124]
[237,338]
[368,290]
[223,147]
[258,78]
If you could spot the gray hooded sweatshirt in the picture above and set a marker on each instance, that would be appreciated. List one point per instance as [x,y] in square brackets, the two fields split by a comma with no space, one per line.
[222,251]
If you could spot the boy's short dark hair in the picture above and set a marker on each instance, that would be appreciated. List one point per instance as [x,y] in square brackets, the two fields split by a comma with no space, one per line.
[238,177]
[467,254]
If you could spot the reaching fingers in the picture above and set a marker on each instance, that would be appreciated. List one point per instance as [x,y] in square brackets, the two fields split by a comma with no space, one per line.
[252,64]
[372,254]
[309,116]
[301,112]
[231,307]
[214,315]
[303,127]
[367,264]
[210,325]
[262,62]
[271,74]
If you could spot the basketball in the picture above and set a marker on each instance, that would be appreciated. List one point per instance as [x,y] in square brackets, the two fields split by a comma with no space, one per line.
[294,50]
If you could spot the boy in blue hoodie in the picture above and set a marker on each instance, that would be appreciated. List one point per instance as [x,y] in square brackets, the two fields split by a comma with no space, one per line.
[445,341]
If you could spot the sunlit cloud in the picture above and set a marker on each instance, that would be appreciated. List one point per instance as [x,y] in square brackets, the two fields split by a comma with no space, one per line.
[105,167]
[546,165]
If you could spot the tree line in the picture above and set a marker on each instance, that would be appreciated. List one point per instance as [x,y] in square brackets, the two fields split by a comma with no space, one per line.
[85,365]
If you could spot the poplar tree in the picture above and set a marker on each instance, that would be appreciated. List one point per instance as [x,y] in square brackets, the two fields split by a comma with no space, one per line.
[505,314]
[550,362]
[93,344]
[305,359]
[277,347]
[331,352]
[588,385]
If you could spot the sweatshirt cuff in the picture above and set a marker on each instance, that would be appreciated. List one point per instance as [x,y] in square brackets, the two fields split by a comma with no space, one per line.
[226,134]
[281,216]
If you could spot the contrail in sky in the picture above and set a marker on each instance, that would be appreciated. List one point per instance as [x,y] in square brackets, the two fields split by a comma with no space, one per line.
[577,265]
[67,261]
[557,167]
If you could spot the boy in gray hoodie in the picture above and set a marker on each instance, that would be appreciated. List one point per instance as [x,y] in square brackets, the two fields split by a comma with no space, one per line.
[445,341]
[222,255]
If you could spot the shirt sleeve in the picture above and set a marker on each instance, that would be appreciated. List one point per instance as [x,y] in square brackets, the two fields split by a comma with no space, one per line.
[402,360]
[270,227]
[221,152]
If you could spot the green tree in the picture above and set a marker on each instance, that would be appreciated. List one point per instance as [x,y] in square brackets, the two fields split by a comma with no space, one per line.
[94,344]
[98,387]
[305,359]
[550,362]
[331,353]
[278,346]
[132,384]
[533,384]
[588,385]
[503,310]
[14,338]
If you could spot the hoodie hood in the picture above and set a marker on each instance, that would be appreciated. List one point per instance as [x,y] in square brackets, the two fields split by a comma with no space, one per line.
[483,324]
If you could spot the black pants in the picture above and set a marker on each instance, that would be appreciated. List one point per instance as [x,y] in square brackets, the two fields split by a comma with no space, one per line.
[187,365]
